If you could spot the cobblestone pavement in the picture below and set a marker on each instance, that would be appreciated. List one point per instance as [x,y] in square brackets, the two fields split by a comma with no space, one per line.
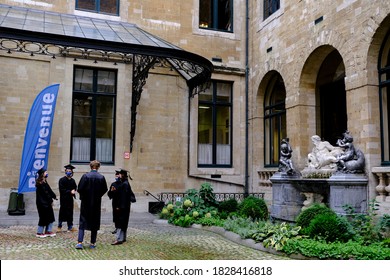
[145,241]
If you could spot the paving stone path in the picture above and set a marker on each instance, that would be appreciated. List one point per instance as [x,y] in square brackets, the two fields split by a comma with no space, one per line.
[147,241]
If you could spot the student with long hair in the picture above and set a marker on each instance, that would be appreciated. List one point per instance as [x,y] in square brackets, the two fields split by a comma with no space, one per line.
[44,201]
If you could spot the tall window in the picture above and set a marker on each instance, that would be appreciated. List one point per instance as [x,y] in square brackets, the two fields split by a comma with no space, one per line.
[93,121]
[214,126]
[216,14]
[274,120]
[270,7]
[384,98]
[110,7]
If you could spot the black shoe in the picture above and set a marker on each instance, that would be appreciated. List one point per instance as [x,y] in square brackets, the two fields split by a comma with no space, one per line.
[113,232]
[117,243]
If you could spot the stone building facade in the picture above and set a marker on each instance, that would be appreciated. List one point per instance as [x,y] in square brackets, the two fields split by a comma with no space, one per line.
[274,62]
[163,157]
[326,55]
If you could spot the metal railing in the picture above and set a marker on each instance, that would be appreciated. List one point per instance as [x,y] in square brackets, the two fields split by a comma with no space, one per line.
[168,197]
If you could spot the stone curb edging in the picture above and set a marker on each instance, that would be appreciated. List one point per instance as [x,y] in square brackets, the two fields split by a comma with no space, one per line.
[234,237]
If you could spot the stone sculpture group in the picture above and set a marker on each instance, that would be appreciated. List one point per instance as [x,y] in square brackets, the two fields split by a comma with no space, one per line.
[344,157]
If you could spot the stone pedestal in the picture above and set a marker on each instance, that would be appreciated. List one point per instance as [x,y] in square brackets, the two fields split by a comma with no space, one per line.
[291,194]
[348,189]
[287,200]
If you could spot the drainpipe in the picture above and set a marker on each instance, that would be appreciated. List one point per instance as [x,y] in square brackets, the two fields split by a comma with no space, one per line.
[246,187]
[188,131]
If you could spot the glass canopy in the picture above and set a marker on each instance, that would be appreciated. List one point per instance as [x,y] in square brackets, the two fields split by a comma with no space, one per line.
[49,33]
[77,26]
[46,29]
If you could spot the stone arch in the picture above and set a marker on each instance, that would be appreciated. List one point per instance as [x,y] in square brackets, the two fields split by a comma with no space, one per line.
[304,114]
[377,32]
[259,113]
[326,41]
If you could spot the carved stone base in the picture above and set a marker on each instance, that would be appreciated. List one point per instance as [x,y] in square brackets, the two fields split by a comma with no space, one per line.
[348,189]
[292,194]
[312,198]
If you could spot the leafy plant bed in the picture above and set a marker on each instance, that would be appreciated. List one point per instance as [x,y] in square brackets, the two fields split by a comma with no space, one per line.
[246,242]
[304,249]
[336,251]
[318,233]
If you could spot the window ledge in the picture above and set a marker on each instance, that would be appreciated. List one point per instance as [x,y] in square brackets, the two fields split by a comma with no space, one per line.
[96,15]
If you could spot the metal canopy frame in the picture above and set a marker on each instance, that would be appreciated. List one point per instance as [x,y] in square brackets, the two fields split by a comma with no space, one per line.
[101,40]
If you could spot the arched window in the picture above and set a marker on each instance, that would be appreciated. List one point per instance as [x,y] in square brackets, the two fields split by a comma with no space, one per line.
[384,100]
[274,120]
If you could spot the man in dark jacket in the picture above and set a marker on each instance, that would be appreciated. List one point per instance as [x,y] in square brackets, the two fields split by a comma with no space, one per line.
[92,187]
[125,197]
[67,187]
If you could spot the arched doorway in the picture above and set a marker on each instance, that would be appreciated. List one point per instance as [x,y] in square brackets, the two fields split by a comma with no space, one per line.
[274,119]
[331,97]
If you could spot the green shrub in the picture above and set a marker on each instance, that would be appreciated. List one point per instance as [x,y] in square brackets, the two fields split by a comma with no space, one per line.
[384,226]
[336,251]
[244,227]
[195,205]
[276,235]
[183,221]
[330,227]
[210,221]
[281,234]
[207,195]
[228,206]
[386,243]
[365,224]
[253,207]
[306,216]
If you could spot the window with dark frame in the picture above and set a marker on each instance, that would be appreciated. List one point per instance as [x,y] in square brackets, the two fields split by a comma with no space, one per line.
[216,15]
[215,126]
[270,7]
[93,115]
[384,98]
[274,120]
[110,7]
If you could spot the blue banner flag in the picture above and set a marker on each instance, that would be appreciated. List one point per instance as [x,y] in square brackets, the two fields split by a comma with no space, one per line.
[37,138]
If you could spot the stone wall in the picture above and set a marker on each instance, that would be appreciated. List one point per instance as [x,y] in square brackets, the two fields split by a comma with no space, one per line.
[294,42]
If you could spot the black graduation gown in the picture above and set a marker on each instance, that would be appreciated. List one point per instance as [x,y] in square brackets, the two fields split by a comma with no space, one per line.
[44,200]
[66,185]
[125,195]
[113,195]
[92,187]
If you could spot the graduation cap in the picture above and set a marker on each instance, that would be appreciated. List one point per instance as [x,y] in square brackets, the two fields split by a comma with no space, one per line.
[41,171]
[123,171]
[117,171]
[69,166]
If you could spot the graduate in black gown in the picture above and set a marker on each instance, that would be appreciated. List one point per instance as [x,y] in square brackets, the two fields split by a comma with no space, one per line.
[113,195]
[44,202]
[67,187]
[125,198]
[92,187]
